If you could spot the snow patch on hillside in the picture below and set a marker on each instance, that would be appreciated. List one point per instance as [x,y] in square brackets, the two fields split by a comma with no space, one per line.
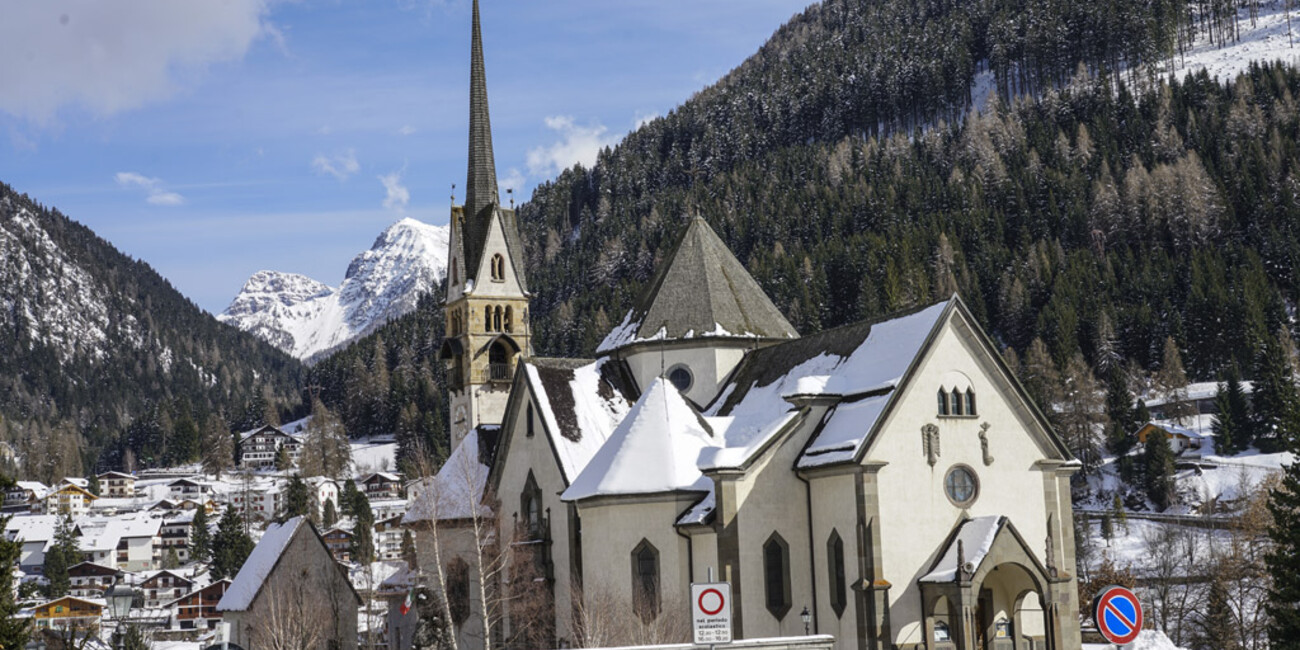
[305,317]
[1265,41]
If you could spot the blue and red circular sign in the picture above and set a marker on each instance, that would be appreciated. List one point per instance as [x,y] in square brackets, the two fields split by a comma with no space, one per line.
[1118,615]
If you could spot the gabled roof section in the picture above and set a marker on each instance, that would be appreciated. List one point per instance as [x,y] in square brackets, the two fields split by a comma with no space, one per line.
[700,290]
[579,402]
[971,544]
[252,575]
[654,450]
[456,491]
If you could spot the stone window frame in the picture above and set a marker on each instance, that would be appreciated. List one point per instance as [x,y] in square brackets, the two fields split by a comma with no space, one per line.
[645,594]
[776,596]
[956,403]
[498,268]
[690,376]
[837,579]
[975,488]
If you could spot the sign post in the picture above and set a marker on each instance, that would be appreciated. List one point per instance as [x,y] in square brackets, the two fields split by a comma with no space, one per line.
[711,612]
[1118,615]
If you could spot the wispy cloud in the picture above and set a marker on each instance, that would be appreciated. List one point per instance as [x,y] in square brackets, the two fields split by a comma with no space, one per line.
[156,194]
[340,166]
[109,57]
[396,195]
[406,130]
[577,144]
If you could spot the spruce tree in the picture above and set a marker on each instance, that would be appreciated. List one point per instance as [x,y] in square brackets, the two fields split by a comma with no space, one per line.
[1122,413]
[218,446]
[1158,469]
[363,533]
[93,488]
[1171,382]
[1233,430]
[331,514]
[200,536]
[347,502]
[1283,561]
[1275,401]
[231,546]
[172,559]
[1218,626]
[63,554]
[297,499]
[283,462]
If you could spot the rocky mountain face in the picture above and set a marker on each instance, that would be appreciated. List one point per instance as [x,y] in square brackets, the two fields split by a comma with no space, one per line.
[92,338]
[307,318]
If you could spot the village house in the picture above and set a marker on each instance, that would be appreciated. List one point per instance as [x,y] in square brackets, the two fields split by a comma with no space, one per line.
[1181,439]
[188,488]
[339,543]
[35,532]
[265,605]
[116,485]
[388,538]
[890,477]
[174,534]
[69,613]
[69,499]
[129,542]
[382,485]
[325,490]
[90,580]
[198,609]
[25,496]
[164,586]
[258,449]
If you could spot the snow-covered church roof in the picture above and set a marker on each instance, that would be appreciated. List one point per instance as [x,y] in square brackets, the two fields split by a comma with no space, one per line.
[654,450]
[455,491]
[700,290]
[580,403]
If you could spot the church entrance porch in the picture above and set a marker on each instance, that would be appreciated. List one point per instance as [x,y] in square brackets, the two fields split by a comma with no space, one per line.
[987,591]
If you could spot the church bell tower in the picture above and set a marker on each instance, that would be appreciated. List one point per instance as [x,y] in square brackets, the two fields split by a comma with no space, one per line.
[487,319]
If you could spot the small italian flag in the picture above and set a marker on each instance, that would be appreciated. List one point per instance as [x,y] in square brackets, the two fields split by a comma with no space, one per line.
[409,602]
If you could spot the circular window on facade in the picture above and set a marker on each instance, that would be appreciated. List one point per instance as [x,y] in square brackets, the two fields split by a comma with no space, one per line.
[681,378]
[961,485]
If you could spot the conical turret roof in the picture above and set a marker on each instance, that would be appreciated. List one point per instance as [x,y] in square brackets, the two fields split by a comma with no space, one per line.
[700,290]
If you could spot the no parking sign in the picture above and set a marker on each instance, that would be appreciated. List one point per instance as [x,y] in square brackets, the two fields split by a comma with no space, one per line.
[1118,615]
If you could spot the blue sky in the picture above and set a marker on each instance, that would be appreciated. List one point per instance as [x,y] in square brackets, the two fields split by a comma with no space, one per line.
[213,139]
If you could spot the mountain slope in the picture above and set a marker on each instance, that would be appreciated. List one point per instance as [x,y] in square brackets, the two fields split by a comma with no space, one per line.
[93,338]
[307,318]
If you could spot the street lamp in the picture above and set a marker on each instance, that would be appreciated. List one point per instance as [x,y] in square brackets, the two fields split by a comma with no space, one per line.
[119,600]
[807,618]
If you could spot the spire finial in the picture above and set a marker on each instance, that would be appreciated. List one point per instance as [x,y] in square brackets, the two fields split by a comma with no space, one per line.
[481,185]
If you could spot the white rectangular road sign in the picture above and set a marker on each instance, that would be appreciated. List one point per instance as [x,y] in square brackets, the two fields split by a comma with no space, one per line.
[711,612]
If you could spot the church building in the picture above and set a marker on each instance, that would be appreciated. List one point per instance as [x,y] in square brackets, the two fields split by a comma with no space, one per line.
[890,478]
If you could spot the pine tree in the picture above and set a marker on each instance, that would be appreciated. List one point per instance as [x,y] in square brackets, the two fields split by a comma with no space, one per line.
[1275,401]
[363,540]
[1218,626]
[1041,378]
[1121,413]
[1283,561]
[283,462]
[231,546]
[93,488]
[171,560]
[1081,412]
[297,499]
[1158,469]
[14,631]
[1233,430]
[200,536]
[348,501]
[326,450]
[408,550]
[1171,382]
[63,554]
[331,514]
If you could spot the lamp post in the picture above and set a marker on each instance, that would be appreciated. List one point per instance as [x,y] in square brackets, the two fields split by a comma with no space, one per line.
[119,600]
[807,618]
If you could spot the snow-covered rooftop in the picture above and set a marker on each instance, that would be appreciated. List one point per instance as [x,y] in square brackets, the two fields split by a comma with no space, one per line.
[654,449]
[243,589]
[580,406]
[975,539]
[456,491]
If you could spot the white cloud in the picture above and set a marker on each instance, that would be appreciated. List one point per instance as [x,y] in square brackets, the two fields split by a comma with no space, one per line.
[513,180]
[340,166]
[108,57]
[577,144]
[397,195]
[406,130]
[642,120]
[156,195]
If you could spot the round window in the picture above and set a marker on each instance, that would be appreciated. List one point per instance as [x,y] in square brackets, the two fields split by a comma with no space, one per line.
[961,485]
[681,378]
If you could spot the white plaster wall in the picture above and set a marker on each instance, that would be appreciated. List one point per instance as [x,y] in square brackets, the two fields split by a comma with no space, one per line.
[611,532]
[704,552]
[834,509]
[454,542]
[534,454]
[709,366]
[772,499]
[485,285]
[916,515]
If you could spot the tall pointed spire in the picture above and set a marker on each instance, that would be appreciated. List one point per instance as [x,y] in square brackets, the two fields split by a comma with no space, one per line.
[481,185]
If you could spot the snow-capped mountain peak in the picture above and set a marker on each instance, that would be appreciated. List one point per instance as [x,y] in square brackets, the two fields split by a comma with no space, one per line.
[305,317]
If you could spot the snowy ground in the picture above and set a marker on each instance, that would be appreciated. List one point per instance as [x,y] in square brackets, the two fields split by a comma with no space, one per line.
[1267,40]
[1147,640]
[374,455]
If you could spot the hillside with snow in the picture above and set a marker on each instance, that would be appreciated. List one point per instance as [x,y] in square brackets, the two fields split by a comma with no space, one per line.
[306,318]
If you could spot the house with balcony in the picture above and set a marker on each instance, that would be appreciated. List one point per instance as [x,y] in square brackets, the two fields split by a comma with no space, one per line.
[69,499]
[69,613]
[382,485]
[197,610]
[258,449]
[388,538]
[116,485]
[90,580]
[129,542]
[339,542]
[188,488]
[164,587]
[25,496]
[174,534]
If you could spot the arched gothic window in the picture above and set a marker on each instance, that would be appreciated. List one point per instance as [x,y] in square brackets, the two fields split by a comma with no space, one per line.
[498,267]
[496,319]
[458,590]
[970,402]
[776,575]
[835,565]
[455,277]
[645,581]
[487,318]
[957,407]
[943,402]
